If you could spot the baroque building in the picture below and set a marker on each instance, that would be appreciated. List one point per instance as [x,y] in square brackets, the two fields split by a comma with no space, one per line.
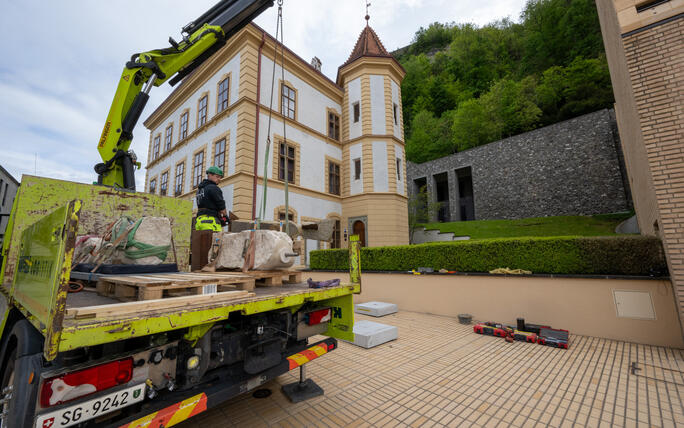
[341,150]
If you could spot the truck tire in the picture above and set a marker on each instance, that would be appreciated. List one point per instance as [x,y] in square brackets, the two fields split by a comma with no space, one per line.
[7,380]
[20,364]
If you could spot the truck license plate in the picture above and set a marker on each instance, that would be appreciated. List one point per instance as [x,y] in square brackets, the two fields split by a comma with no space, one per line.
[91,409]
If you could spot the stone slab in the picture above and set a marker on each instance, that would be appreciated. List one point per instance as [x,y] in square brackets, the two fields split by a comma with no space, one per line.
[368,334]
[375,309]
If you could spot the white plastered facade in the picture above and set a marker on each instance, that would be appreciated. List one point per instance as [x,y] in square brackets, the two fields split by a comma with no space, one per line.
[309,197]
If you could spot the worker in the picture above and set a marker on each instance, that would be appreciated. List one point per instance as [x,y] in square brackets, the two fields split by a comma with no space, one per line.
[211,207]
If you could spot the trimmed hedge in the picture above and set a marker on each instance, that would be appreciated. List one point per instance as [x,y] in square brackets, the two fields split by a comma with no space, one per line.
[612,255]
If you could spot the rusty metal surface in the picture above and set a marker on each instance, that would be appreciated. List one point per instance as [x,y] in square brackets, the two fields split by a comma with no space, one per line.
[39,196]
[41,280]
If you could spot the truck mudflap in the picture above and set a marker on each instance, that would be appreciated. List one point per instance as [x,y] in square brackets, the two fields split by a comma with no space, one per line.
[171,412]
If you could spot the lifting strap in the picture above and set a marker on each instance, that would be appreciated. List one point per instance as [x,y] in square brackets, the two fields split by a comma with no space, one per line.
[262,208]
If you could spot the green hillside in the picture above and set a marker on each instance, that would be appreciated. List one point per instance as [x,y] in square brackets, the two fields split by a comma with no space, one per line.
[467,85]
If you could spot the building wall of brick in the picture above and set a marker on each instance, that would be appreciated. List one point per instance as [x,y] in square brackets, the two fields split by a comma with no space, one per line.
[655,59]
[627,117]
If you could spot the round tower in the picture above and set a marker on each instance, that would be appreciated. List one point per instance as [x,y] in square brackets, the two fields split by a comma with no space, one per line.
[375,203]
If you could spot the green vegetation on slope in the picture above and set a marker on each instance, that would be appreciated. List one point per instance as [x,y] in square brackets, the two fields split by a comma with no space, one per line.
[466,85]
[597,225]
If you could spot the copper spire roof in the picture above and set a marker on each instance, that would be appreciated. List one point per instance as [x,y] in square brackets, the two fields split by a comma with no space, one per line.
[368,44]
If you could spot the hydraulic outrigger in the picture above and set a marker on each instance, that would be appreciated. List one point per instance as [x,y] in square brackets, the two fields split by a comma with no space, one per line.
[201,38]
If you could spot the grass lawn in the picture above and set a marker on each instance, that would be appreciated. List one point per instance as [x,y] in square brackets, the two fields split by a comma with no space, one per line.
[597,225]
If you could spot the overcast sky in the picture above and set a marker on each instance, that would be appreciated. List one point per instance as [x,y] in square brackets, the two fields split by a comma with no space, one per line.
[61,61]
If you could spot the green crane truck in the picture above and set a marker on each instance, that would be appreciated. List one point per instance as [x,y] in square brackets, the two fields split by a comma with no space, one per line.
[81,359]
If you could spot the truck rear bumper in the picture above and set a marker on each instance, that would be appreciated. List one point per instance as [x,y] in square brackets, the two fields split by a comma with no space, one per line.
[177,407]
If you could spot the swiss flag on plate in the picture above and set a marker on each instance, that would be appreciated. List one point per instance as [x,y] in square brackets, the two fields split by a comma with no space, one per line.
[47,423]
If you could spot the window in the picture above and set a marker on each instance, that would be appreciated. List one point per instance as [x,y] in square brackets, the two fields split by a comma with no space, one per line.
[164,185]
[336,241]
[155,147]
[333,126]
[180,172]
[184,125]
[357,169]
[153,185]
[286,157]
[357,112]
[396,114]
[398,169]
[202,111]
[169,137]
[223,94]
[287,105]
[197,167]
[3,198]
[281,216]
[333,178]
[220,153]
[4,195]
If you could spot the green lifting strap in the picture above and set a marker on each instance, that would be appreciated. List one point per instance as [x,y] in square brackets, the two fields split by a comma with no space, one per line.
[135,249]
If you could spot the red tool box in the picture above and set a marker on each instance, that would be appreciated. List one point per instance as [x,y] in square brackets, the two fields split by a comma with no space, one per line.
[490,329]
[524,336]
[553,337]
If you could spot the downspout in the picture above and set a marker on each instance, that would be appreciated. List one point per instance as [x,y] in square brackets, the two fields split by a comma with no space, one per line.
[256,133]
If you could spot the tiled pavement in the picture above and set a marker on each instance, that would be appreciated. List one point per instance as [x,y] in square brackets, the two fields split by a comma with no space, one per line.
[440,373]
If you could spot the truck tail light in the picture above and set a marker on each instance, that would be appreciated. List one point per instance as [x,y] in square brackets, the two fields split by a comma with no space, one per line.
[71,386]
[319,316]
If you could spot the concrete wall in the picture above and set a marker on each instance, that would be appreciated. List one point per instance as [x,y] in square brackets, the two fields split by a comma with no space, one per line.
[583,306]
[569,168]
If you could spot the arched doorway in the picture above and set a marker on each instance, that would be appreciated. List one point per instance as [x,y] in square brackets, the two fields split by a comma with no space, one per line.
[359,228]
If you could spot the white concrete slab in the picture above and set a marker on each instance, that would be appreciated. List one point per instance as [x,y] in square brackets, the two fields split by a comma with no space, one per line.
[376,309]
[368,334]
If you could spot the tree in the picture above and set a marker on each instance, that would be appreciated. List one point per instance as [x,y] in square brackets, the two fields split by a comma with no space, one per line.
[431,137]
[511,106]
[567,92]
[421,210]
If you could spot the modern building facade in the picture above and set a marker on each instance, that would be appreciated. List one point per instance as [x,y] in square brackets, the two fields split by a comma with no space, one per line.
[569,168]
[342,148]
[8,189]
[644,43]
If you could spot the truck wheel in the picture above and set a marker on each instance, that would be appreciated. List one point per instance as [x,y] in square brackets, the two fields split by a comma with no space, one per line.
[7,381]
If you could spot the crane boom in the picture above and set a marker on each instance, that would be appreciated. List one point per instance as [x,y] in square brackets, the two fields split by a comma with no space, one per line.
[201,38]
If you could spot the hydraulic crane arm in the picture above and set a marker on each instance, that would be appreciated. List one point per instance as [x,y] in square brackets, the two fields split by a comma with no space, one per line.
[201,38]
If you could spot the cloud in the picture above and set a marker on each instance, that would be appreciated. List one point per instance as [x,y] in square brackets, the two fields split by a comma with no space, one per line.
[58,79]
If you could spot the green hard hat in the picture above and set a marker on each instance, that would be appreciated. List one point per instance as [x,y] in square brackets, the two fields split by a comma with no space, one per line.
[215,170]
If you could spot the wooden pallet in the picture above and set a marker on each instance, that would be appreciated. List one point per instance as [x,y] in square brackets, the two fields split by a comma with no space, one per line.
[274,278]
[157,286]
[178,303]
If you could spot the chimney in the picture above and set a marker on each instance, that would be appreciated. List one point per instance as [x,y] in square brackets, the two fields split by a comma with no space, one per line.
[316,63]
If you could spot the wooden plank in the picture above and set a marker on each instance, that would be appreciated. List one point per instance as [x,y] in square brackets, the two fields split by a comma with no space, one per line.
[132,280]
[146,293]
[295,278]
[125,292]
[129,308]
[273,280]
[104,288]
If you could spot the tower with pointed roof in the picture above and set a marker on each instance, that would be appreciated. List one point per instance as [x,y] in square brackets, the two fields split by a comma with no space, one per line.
[374,165]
